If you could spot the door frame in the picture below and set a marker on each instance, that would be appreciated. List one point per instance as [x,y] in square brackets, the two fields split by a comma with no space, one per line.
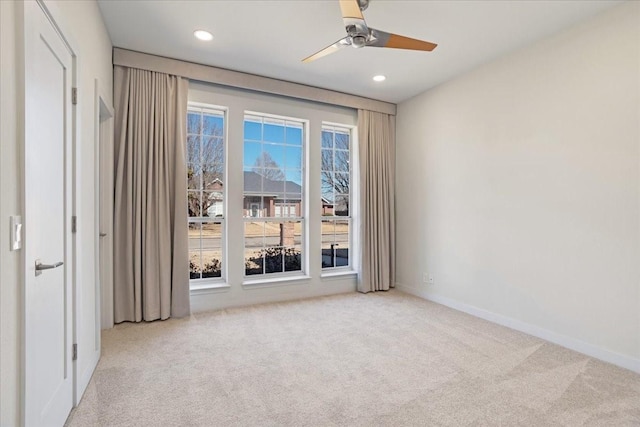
[103,156]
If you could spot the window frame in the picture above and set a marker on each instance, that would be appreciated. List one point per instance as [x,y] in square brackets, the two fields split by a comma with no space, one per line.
[302,214]
[212,282]
[350,267]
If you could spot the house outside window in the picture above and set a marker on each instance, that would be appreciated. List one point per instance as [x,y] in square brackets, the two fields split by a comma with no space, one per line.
[205,191]
[335,178]
[273,202]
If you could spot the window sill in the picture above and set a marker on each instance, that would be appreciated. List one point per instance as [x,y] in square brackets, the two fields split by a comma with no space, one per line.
[277,281]
[338,274]
[208,288]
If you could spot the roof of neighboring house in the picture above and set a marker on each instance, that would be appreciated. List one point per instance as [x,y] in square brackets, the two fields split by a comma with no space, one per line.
[255,183]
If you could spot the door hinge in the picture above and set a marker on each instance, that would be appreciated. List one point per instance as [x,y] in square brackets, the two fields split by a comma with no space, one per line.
[74,224]
[75,352]
[74,95]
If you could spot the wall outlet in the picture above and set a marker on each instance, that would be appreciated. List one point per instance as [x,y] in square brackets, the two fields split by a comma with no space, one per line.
[431,281]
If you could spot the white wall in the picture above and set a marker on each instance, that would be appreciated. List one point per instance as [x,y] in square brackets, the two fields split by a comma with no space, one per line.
[237,101]
[82,23]
[519,189]
[10,204]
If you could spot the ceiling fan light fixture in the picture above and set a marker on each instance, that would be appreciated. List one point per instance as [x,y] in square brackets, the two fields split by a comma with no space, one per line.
[358,41]
[379,78]
[203,35]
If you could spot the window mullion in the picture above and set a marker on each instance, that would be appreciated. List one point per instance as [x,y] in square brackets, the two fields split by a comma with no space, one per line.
[264,238]
[201,184]
[200,265]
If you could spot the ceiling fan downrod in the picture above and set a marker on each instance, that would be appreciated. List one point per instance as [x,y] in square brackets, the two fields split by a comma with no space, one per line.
[363,4]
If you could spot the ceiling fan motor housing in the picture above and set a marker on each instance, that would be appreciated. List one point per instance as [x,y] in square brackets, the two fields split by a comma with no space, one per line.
[358,33]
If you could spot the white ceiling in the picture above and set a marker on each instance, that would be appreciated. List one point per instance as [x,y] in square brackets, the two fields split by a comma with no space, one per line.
[270,37]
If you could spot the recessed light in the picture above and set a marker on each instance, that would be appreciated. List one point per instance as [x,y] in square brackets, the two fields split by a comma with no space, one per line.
[203,35]
[379,78]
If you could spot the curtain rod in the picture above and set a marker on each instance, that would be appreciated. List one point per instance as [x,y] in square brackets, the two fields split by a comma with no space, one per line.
[237,79]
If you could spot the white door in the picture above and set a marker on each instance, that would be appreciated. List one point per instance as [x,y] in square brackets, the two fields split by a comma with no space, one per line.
[48,383]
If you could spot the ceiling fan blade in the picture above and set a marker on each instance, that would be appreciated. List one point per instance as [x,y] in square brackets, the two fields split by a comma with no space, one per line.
[395,41]
[351,9]
[328,50]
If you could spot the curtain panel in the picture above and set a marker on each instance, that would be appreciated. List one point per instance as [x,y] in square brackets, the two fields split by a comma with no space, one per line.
[376,135]
[151,265]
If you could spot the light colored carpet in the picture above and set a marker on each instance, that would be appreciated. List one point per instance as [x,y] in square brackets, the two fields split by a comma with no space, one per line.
[385,359]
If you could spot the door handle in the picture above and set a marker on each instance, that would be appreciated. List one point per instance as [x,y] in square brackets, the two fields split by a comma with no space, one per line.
[40,266]
[103,234]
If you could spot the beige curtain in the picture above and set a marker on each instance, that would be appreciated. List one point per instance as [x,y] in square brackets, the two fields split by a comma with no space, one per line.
[151,266]
[376,139]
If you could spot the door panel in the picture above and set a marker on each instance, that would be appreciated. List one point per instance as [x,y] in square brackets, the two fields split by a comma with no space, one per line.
[48,295]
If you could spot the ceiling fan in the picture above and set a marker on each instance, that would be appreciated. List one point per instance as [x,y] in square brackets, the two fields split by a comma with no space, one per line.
[360,35]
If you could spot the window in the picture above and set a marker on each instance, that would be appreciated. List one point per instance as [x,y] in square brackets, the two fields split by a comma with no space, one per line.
[273,190]
[205,191]
[335,178]
[257,182]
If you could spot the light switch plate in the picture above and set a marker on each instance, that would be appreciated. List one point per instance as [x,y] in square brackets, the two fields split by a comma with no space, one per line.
[16,232]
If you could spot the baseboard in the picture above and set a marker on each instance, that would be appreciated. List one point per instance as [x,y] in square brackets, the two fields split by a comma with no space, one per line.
[591,350]
[85,377]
